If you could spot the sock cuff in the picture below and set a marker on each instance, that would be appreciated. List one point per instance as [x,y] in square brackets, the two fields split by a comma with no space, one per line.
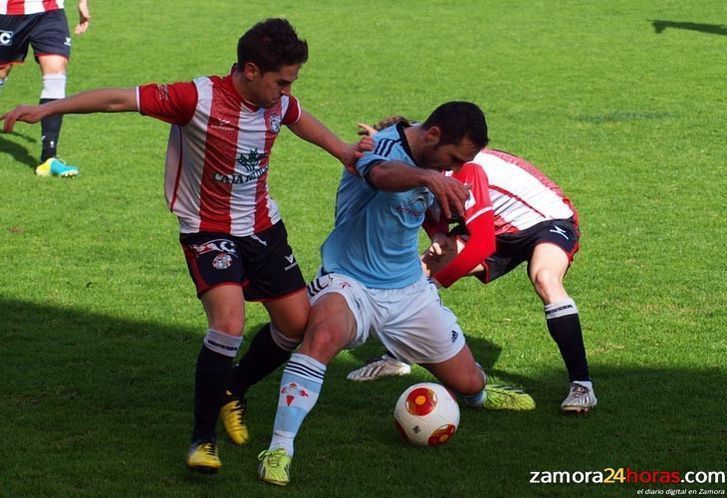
[305,366]
[222,343]
[54,86]
[283,342]
[560,308]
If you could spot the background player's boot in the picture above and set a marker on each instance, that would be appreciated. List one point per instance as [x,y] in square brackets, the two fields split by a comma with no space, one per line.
[274,467]
[232,414]
[507,398]
[203,457]
[580,399]
[383,366]
[56,167]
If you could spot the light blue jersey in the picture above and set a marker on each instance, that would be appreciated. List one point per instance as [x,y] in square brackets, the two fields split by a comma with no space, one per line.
[375,238]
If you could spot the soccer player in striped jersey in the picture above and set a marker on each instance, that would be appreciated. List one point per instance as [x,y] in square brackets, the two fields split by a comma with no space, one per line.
[371,280]
[42,24]
[216,181]
[517,214]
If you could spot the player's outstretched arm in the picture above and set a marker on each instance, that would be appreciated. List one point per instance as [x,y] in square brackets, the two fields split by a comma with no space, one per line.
[101,100]
[395,176]
[84,17]
[310,129]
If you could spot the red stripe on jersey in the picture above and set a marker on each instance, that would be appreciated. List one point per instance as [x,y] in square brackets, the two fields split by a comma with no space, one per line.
[219,159]
[50,5]
[16,7]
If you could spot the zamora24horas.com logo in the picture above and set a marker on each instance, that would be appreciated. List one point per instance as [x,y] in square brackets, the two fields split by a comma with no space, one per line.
[626,475]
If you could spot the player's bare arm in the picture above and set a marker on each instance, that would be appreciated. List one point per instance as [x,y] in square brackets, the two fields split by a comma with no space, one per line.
[101,100]
[310,129]
[395,176]
[84,17]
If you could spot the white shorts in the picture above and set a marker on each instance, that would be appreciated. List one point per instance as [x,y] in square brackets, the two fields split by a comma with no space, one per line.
[411,322]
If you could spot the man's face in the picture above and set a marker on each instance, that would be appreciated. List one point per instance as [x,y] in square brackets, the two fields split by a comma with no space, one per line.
[266,89]
[450,156]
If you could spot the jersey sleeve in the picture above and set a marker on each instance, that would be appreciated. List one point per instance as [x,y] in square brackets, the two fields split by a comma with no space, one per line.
[293,112]
[478,201]
[479,246]
[173,103]
[480,224]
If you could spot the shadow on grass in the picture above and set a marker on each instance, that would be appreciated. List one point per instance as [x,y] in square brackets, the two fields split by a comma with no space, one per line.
[101,406]
[18,152]
[713,29]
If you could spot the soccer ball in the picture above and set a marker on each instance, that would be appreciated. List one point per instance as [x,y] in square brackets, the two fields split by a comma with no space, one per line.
[426,414]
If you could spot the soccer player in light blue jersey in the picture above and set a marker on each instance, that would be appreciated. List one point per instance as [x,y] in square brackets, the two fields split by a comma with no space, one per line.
[371,281]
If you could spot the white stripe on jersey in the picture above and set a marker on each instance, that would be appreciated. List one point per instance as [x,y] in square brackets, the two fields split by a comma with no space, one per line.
[521,195]
[28,6]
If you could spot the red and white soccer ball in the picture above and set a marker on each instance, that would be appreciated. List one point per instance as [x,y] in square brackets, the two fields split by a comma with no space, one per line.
[426,414]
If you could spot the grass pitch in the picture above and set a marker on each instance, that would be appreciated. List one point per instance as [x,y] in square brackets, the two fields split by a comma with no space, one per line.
[622,103]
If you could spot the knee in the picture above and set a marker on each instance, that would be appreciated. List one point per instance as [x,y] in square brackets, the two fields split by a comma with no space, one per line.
[322,342]
[549,285]
[228,323]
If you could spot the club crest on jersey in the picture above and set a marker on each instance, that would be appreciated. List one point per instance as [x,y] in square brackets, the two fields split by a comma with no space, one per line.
[219,245]
[293,391]
[275,121]
[222,261]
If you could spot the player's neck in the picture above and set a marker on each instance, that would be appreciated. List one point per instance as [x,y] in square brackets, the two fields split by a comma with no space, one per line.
[415,138]
[240,84]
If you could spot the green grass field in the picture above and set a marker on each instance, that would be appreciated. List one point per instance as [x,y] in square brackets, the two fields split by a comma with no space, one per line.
[623,103]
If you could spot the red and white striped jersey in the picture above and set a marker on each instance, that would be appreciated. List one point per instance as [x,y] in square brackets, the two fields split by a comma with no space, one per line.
[25,7]
[521,195]
[216,177]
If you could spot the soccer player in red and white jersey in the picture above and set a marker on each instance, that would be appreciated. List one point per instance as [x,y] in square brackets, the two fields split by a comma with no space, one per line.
[41,24]
[514,214]
[223,129]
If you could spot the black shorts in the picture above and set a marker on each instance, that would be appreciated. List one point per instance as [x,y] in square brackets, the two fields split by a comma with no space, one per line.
[46,32]
[514,248]
[262,264]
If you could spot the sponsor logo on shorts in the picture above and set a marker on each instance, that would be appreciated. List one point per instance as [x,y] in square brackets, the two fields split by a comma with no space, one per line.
[455,335]
[292,263]
[219,245]
[222,261]
[6,38]
[559,231]
[68,41]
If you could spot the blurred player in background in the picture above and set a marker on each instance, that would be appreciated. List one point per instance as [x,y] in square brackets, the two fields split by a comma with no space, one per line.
[517,214]
[216,182]
[42,24]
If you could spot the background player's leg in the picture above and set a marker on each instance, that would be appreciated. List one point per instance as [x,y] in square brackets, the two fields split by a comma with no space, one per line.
[53,70]
[547,269]
[4,72]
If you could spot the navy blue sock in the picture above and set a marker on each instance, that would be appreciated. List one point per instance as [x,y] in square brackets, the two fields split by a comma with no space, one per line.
[50,129]
[565,329]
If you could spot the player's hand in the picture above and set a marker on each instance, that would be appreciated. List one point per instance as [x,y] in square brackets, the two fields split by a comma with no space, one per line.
[366,130]
[25,113]
[354,152]
[451,193]
[84,17]
[441,245]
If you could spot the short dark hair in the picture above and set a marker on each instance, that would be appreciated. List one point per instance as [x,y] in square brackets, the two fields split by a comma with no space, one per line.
[270,44]
[458,120]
